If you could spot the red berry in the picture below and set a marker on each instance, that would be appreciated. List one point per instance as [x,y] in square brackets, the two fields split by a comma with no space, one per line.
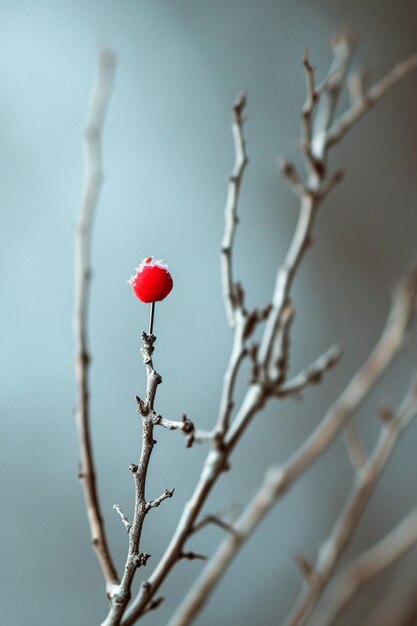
[152,281]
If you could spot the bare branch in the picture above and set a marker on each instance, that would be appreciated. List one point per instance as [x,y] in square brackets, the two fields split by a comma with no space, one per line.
[278,480]
[311,99]
[214,519]
[168,493]
[280,354]
[186,426]
[366,567]
[313,374]
[237,355]
[330,90]
[232,293]
[332,549]
[228,431]
[93,177]
[121,595]
[123,517]
[316,188]
[357,454]
[356,83]
[369,98]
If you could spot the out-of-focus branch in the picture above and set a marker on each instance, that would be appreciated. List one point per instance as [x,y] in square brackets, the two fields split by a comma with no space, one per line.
[366,480]
[366,567]
[278,480]
[368,99]
[93,178]
[355,448]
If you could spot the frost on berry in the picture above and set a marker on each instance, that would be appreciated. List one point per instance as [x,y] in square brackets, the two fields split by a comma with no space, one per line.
[152,281]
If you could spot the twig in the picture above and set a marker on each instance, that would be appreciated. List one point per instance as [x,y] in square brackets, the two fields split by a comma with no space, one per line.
[311,99]
[281,351]
[366,567]
[356,83]
[313,374]
[93,178]
[123,517]
[369,98]
[366,481]
[239,351]
[152,504]
[343,46]
[231,291]
[356,451]
[213,519]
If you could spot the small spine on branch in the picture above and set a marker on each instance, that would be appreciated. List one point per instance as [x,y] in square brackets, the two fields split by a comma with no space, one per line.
[123,517]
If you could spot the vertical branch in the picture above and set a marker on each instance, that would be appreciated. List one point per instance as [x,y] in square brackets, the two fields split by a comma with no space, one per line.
[92,184]
[231,291]
[135,559]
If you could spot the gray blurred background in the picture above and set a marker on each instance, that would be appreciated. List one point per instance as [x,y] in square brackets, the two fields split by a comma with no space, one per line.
[167,151]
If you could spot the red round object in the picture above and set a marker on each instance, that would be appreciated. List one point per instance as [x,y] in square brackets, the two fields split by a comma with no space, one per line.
[152,281]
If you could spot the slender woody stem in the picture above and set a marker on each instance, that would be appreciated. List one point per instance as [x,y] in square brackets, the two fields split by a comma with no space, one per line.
[92,184]
[151,318]
[121,595]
